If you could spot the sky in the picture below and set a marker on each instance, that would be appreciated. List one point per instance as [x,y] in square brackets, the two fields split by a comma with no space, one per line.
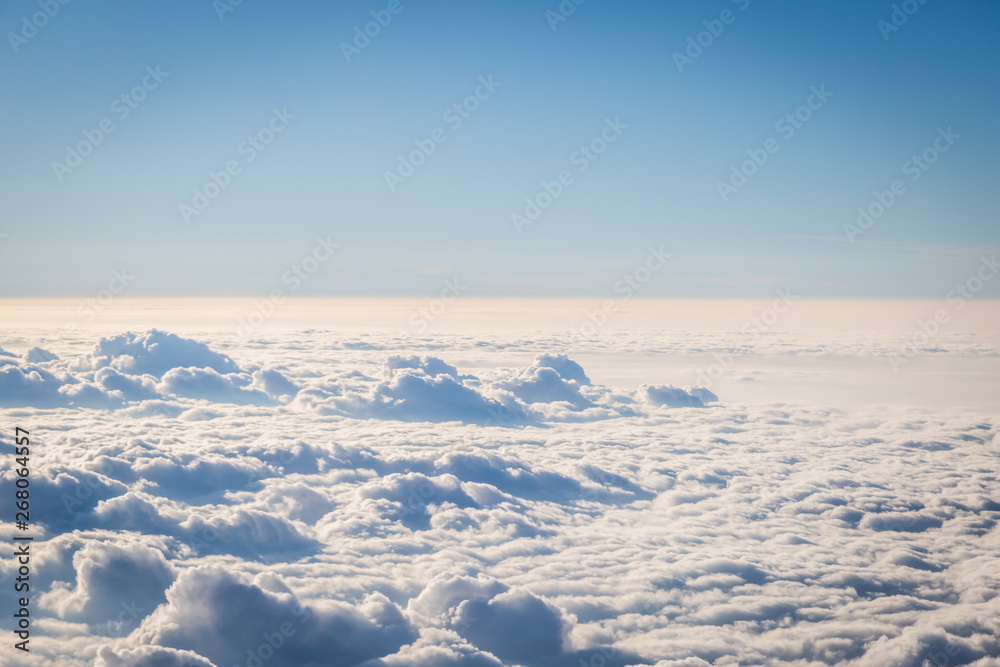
[335,112]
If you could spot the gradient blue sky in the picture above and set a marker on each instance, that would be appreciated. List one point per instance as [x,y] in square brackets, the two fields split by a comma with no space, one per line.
[656,185]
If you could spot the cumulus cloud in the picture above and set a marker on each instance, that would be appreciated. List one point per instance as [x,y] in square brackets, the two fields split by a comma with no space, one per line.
[62,496]
[127,387]
[411,495]
[209,384]
[543,385]
[515,626]
[296,501]
[34,385]
[130,368]
[37,355]
[909,522]
[155,353]
[135,511]
[274,384]
[150,656]
[564,366]
[453,655]
[250,534]
[430,365]
[418,388]
[675,397]
[426,389]
[151,373]
[511,476]
[445,593]
[29,386]
[116,586]
[229,620]
[189,477]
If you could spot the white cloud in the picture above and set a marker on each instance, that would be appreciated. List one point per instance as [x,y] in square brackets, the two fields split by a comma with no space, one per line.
[29,386]
[209,384]
[116,586]
[37,355]
[419,389]
[128,387]
[675,397]
[228,620]
[150,656]
[155,353]
[516,626]
[367,493]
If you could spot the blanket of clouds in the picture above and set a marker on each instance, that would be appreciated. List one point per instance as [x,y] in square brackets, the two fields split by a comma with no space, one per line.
[325,500]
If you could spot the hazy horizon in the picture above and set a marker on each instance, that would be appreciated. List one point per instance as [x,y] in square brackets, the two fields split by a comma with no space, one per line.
[475,313]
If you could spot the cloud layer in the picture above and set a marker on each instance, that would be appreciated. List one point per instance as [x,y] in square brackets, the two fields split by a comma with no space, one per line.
[284,505]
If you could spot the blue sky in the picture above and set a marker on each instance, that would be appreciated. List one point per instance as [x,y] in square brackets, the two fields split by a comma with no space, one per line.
[324,173]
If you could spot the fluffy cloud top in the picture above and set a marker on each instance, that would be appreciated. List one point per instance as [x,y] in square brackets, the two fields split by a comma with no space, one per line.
[422,389]
[564,366]
[115,586]
[128,388]
[145,373]
[127,369]
[210,385]
[155,353]
[515,626]
[29,386]
[207,613]
[675,397]
[37,355]
[543,385]
[150,656]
